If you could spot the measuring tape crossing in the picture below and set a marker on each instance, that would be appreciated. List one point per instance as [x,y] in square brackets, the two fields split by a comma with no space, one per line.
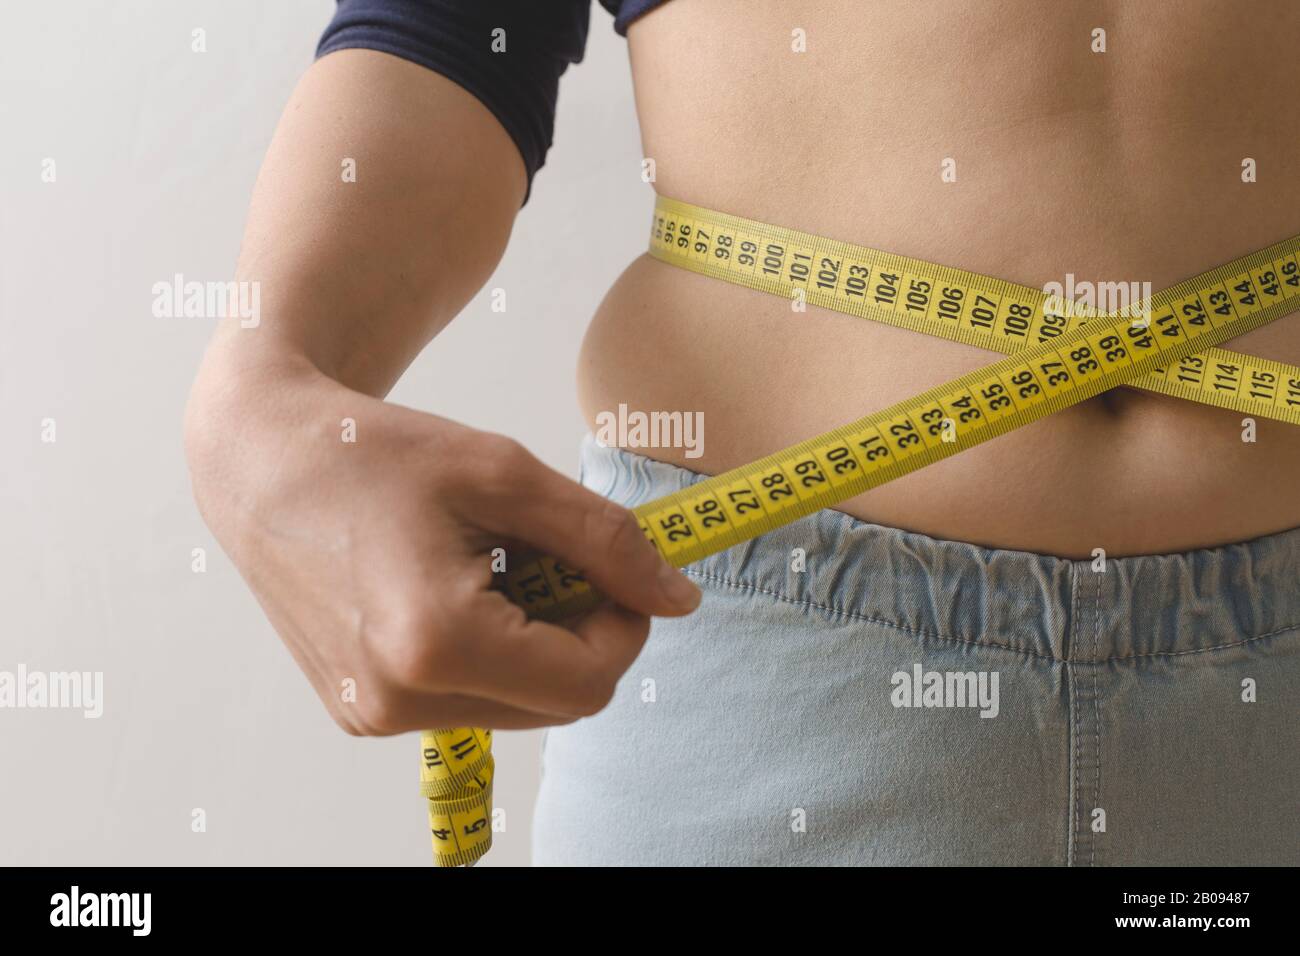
[1083,360]
[1058,361]
[965,306]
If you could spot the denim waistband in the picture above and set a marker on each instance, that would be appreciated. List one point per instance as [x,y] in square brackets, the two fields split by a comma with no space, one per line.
[1137,607]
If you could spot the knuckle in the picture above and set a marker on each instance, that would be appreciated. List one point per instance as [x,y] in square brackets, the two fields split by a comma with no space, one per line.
[595,695]
[421,647]
[347,724]
[378,715]
[469,463]
[497,463]
[375,711]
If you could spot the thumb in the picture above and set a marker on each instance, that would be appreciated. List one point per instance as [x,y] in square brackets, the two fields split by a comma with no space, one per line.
[559,517]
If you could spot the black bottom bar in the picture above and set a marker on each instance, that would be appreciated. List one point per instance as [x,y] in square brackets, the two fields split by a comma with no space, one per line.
[459,907]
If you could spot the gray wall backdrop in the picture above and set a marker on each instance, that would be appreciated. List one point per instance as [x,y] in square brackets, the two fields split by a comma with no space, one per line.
[156,148]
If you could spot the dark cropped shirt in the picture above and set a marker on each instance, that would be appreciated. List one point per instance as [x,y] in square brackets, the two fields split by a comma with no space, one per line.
[457,37]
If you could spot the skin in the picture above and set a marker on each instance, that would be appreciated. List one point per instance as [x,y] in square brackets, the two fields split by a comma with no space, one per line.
[371,559]
[1122,166]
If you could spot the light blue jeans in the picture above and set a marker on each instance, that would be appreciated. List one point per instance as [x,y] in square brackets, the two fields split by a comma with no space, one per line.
[902,700]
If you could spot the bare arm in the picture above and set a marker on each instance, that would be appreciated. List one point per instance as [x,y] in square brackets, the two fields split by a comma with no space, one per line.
[371,558]
[360,276]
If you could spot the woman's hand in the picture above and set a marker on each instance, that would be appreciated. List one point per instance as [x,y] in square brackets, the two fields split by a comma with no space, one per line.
[372,557]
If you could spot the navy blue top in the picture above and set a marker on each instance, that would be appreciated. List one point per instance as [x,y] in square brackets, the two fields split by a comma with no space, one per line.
[455,38]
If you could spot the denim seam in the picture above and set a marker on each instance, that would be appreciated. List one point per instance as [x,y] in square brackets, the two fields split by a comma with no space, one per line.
[1067,650]
[1072,677]
[1204,650]
[1073,802]
[845,612]
[1096,712]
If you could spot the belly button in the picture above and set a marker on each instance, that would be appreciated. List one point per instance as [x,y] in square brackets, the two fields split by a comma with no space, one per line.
[1114,402]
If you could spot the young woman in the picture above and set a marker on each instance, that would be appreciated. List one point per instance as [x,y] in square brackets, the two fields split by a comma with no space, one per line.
[1145,704]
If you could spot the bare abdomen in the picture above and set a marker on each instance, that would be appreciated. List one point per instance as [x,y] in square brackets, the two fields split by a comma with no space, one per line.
[1125,166]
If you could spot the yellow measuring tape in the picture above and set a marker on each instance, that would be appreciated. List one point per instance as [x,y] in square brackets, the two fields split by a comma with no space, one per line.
[971,308]
[456,769]
[1057,358]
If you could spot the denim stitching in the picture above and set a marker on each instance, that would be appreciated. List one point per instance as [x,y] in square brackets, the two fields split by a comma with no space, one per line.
[1096,714]
[1068,654]
[1074,762]
[854,615]
[845,612]
[1205,650]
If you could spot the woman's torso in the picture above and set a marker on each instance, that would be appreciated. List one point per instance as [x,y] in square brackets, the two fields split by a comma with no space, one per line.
[1122,166]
